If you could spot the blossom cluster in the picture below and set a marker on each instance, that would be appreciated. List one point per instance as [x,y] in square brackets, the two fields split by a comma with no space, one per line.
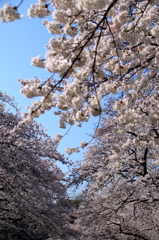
[38,10]
[9,14]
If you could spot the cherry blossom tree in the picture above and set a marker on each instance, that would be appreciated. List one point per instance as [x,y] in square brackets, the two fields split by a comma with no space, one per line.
[122,194]
[98,48]
[33,198]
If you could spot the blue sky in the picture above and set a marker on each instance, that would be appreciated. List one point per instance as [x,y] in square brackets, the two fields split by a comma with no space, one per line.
[20,40]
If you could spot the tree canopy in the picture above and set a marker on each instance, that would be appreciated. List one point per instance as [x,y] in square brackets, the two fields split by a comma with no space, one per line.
[98,48]
[122,193]
[33,198]
[103,51]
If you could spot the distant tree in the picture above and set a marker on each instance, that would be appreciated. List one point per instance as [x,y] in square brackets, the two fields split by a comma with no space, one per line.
[33,198]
